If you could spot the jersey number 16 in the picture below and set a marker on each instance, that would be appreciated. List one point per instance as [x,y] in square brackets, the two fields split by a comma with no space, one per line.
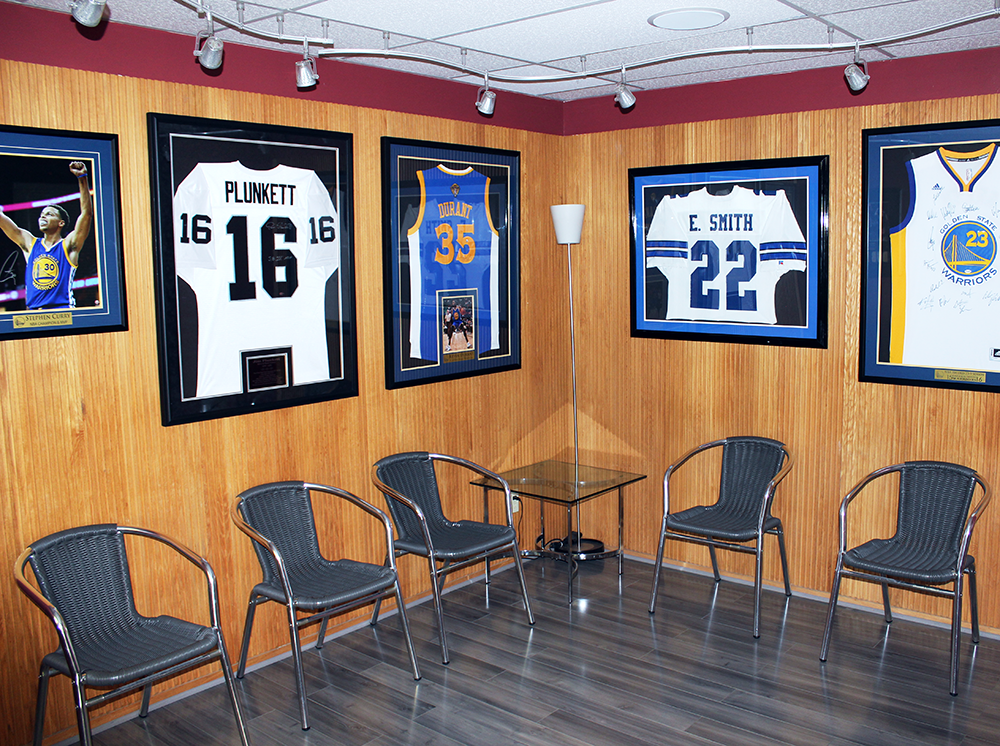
[322,230]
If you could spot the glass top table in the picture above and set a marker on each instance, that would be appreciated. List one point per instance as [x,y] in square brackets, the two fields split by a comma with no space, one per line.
[556,482]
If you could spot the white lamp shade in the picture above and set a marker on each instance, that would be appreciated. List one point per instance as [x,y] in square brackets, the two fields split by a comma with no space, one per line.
[568,222]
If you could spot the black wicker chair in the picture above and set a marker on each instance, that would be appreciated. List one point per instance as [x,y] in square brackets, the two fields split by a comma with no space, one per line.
[930,548]
[751,470]
[85,588]
[410,486]
[279,518]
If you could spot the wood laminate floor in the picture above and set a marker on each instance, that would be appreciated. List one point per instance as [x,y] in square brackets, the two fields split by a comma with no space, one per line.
[605,671]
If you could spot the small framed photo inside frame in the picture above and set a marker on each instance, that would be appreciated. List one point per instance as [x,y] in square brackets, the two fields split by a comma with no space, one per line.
[451,230]
[61,264]
[930,281]
[731,252]
[253,237]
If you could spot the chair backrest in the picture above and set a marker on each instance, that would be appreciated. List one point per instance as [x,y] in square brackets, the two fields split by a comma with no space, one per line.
[748,465]
[84,573]
[934,502]
[282,513]
[412,475]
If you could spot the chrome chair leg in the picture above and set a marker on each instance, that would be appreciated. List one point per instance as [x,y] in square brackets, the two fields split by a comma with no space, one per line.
[779,532]
[656,567]
[831,610]
[43,692]
[406,630]
[524,587]
[247,628]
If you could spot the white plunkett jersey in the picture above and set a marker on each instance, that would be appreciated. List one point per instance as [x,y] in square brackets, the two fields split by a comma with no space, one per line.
[257,248]
[724,254]
[945,288]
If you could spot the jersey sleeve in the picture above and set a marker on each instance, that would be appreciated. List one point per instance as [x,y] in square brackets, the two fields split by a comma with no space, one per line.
[666,244]
[194,233]
[324,226]
[781,229]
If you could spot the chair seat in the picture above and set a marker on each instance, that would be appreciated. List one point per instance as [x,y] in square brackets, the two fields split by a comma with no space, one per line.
[709,520]
[898,560]
[118,656]
[462,539]
[331,583]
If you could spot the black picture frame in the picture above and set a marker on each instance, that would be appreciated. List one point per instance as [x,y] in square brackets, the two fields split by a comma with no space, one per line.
[462,297]
[35,169]
[930,285]
[254,325]
[746,281]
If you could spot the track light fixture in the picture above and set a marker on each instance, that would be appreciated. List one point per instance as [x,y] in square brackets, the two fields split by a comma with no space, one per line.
[623,96]
[305,69]
[209,55]
[486,98]
[87,12]
[857,78]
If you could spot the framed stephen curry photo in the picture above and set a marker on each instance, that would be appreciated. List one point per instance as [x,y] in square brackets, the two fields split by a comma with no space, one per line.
[253,237]
[930,281]
[731,252]
[451,233]
[61,269]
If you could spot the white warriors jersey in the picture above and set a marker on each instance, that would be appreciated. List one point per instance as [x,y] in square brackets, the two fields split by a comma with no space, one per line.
[724,254]
[945,288]
[257,248]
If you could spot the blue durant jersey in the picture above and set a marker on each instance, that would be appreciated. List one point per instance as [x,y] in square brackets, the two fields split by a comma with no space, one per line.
[48,277]
[723,254]
[453,248]
[945,285]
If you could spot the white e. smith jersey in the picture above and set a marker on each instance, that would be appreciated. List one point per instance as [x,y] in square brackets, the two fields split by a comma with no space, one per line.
[945,310]
[724,254]
[257,248]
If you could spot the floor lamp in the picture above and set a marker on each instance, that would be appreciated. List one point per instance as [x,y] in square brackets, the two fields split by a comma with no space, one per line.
[568,222]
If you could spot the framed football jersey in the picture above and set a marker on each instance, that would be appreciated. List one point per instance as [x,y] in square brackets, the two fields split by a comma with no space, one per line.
[731,251]
[451,234]
[254,259]
[930,279]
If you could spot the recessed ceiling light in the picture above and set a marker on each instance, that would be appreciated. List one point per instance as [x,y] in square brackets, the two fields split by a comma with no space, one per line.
[689,19]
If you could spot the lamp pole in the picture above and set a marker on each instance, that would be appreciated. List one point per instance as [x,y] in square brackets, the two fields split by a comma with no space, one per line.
[568,223]
[572,347]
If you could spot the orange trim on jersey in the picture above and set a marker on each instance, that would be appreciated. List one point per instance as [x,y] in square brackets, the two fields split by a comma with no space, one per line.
[486,204]
[423,200]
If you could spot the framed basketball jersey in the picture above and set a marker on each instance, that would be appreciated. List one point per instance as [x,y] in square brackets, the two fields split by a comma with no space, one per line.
[931,274]
[451,243]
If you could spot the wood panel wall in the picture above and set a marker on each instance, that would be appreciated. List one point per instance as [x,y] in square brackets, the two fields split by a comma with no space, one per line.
[82,440]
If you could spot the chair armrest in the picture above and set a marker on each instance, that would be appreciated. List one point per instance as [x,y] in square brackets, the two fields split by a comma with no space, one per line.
[970,523]
[680,462]
[483,472]
[36,597]
[855,491]
[195,559]
[392,494]
[242,525]
[366,507]
[772,486]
